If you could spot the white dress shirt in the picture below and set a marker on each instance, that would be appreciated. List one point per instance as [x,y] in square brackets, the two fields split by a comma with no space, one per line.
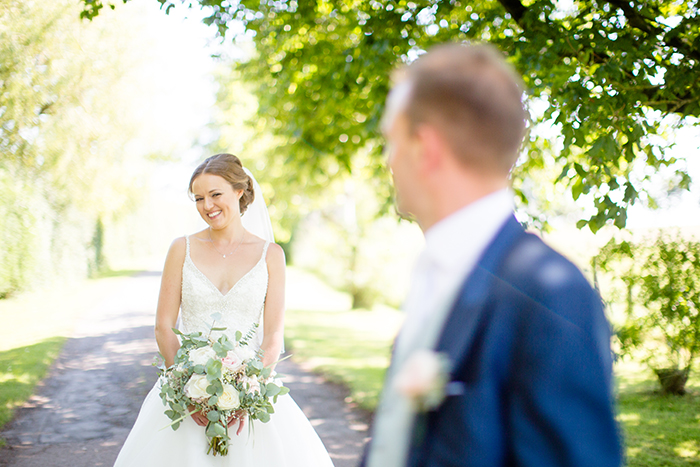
[452,248]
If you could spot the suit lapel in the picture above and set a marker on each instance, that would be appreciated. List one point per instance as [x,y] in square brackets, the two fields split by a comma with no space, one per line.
[461,324]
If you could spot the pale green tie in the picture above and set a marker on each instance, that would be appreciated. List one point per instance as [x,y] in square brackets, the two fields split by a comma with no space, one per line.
[395,417]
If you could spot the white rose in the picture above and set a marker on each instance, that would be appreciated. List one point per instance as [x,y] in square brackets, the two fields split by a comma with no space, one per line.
[245,352]
[196,387]
[422,378]
[229,400]
[202,355]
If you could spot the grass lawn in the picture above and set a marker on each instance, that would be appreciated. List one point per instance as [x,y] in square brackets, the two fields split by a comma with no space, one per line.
[34,328]
[348,346]
[21,369]
[659,430]
[352,347]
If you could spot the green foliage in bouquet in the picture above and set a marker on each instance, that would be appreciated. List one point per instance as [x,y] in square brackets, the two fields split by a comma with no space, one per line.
[219,378]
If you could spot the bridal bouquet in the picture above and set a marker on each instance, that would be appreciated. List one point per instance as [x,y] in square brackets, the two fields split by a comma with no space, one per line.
[219,378]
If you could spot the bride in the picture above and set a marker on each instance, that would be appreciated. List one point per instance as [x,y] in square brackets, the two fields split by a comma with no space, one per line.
[226,268]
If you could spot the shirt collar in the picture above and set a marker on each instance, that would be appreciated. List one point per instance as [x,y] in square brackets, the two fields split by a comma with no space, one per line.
[467,232]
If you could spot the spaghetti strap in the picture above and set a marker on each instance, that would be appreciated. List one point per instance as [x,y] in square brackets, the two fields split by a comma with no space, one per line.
[264,252]
[187,247]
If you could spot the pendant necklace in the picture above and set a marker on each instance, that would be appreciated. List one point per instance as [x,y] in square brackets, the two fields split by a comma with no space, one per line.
[227,254]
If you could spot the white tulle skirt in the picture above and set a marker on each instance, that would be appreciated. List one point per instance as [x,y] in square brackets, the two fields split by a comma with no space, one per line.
[287,440]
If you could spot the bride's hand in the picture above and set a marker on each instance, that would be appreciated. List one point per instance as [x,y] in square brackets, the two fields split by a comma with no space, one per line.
[237,418]
[198,417]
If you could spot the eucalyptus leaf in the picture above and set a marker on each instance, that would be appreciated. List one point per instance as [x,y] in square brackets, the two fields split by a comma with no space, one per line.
[271,389]
[211,430]
[256,364]
[219,429]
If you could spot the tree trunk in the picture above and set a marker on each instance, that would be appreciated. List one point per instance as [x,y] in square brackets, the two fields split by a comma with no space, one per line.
[673,379]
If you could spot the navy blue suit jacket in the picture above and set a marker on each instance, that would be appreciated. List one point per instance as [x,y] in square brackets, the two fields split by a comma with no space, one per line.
[530,346]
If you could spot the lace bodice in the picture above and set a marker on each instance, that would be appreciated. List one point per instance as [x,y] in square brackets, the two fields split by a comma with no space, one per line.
[240,307]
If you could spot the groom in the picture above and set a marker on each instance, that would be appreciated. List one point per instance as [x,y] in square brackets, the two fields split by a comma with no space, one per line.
[504,358]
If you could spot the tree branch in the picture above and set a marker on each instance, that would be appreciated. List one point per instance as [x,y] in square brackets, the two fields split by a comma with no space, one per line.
[650,27]
[635,19]
[515,9]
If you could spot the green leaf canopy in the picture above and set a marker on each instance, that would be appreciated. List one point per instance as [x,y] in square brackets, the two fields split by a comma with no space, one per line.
[611,72]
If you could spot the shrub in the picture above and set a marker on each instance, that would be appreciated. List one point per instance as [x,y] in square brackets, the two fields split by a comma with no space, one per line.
[662,325]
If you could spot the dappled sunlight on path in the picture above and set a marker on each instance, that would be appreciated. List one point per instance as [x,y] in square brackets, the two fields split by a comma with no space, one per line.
[96,385]
[82,412]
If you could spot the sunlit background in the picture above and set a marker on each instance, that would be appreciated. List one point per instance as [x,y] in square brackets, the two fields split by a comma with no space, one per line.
[102,122]
[141,98]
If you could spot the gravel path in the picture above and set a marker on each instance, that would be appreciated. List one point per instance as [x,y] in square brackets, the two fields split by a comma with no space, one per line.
[83,411]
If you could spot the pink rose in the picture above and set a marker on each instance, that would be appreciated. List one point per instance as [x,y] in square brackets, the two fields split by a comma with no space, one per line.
[422,379]
[252,383]
[232,361]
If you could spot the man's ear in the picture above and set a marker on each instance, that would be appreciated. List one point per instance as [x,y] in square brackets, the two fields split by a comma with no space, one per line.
[433,145]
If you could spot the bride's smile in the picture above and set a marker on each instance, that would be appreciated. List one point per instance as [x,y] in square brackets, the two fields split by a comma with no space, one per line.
[217,201]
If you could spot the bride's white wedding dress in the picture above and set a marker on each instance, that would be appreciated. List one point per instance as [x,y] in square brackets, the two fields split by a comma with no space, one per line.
[287,440]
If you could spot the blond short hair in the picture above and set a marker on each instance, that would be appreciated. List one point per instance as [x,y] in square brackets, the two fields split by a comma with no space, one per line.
[474,99]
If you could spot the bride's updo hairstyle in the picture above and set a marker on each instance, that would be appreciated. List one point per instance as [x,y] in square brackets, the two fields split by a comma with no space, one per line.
[228,167]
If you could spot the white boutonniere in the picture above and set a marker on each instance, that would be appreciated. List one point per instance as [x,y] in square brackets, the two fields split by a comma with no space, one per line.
[423,379]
